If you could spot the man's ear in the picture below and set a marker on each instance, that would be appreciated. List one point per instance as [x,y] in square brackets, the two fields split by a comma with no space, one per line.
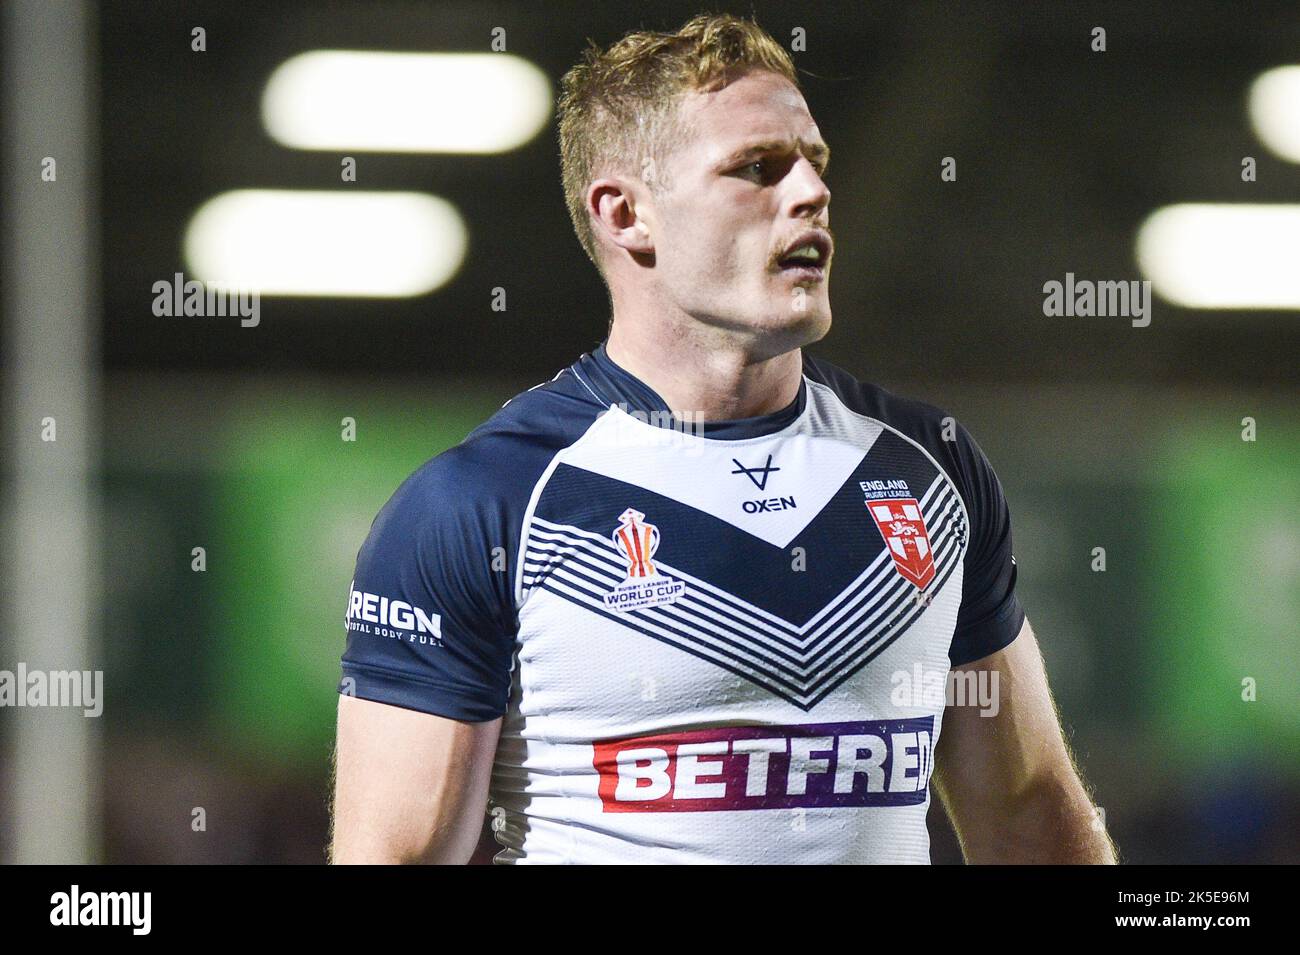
[613,204]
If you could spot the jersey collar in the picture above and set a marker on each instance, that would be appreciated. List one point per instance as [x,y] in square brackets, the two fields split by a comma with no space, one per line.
[613,385]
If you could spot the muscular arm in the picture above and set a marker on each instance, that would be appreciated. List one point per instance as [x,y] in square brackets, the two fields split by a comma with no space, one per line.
[409,786]
[1007,781]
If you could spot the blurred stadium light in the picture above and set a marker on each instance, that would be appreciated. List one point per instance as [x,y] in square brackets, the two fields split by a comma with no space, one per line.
[406,102]
[1207,255]
[1275,111]
[282,242]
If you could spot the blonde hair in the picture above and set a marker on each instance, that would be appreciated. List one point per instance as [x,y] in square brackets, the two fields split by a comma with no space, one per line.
[618,107]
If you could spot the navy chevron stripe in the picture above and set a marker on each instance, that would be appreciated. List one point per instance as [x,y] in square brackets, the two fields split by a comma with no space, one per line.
[692,538]
[747,613]
[870,653]
[848,604]
[805,692]
[804,699]
[686,641]
[582,576]
[739,620]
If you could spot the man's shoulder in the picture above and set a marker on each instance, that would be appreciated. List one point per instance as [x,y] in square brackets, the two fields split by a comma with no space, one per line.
[499,462]
[938,433]
[916,419]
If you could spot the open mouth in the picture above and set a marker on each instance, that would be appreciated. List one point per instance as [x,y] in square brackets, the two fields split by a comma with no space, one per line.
[807,257]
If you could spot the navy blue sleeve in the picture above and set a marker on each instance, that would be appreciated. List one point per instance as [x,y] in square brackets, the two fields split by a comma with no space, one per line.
[990,616]
[430,615]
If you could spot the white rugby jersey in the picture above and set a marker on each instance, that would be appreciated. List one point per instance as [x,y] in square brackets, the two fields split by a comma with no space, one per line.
[709,643]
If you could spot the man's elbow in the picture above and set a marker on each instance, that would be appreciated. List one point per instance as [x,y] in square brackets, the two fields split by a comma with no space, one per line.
[1050,820]
[362,846]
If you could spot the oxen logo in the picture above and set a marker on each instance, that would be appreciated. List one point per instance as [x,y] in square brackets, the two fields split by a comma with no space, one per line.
[758,475]
[903,528]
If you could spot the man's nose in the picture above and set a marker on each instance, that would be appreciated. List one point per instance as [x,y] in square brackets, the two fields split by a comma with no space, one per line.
[809,194]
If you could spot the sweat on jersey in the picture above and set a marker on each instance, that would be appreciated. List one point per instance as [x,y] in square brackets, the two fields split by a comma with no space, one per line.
[704,639]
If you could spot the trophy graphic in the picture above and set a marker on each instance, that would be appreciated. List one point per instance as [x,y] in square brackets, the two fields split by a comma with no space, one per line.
[644,586]
[638,541]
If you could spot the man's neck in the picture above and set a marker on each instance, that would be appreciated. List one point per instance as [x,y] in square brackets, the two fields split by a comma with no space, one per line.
[702,379]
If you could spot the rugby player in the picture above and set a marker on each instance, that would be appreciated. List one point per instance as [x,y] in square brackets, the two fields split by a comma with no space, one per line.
[689,600]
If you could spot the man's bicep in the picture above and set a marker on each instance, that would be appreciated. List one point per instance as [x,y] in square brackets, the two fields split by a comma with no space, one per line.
[1007,778]
[409,786]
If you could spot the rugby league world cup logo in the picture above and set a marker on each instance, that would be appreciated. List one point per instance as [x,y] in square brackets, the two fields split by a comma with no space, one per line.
[644,585]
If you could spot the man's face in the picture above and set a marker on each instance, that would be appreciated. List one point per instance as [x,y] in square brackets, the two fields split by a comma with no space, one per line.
[743,189]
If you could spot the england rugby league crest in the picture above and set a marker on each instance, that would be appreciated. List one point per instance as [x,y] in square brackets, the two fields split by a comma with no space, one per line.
[644,586]
[903,528]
